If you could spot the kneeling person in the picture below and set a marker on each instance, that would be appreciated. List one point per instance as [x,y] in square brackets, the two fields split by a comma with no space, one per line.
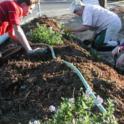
[11,13]
[105,23]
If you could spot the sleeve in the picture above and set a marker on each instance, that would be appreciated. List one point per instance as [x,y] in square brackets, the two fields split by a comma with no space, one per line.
[3,27]
[87,17]
[13,14]
[12,34]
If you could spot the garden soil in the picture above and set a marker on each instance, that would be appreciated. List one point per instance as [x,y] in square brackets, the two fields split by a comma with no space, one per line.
[28,86]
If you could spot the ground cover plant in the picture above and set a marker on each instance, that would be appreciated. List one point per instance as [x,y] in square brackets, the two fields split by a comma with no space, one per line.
[46,35]
[80,111]
[28,87]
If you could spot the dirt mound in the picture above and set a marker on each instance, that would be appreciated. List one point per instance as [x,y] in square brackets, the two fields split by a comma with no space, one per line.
[29,86]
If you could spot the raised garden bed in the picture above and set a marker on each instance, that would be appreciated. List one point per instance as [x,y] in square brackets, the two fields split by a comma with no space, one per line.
[28,86]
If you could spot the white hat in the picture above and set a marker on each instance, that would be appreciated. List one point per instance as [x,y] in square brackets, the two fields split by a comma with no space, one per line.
[75,5]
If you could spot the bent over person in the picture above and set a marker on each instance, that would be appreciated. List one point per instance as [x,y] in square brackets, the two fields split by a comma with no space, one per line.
[11,13]
[105,23]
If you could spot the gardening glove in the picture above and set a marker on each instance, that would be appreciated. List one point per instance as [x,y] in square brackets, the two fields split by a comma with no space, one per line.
[37,51]
[120,61]
[116,50]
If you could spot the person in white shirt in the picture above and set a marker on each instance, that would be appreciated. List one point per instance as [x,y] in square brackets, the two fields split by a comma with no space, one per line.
[106,23]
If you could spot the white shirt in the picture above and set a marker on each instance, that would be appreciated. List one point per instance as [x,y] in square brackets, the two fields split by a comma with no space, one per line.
[93,2]
[98,17]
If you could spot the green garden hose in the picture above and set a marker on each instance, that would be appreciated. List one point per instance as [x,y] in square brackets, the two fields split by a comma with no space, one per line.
[97,101]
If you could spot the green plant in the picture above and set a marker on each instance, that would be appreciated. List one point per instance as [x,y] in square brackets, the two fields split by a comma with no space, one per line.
[80,111]
[46,35]
[95,54]
[70,36]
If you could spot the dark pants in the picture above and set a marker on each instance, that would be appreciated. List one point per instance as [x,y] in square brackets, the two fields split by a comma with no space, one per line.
[99,39]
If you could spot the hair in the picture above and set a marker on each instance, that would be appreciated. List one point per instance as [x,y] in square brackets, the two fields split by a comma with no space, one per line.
[28,2]
[76,6]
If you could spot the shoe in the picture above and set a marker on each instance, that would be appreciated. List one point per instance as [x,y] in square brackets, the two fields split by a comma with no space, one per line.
[113,43]
[87,42]
[106,46]
[37,51]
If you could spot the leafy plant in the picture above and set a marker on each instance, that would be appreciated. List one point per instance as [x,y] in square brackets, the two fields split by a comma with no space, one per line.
[80,111]
[95,54]
[46,35]
[70,36]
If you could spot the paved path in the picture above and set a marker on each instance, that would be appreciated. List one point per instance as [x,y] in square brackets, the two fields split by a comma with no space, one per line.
[53,8]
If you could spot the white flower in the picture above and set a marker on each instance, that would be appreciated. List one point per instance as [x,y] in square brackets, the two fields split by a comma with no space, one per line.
[34,122]
[52,108]
[71,100]
[98,100]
